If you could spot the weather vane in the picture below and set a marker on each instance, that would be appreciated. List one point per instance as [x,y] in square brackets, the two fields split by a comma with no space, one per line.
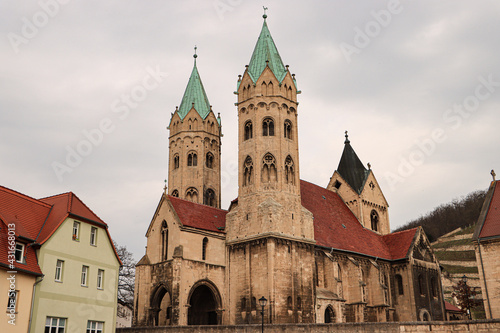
[195,55]
[265,15]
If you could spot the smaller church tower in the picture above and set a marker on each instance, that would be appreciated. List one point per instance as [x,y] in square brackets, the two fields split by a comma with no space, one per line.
[360,191]
[194,147]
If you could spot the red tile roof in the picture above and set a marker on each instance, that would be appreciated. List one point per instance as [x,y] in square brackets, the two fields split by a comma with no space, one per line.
[336,226]
[199,216]
[491,225]
[450,307]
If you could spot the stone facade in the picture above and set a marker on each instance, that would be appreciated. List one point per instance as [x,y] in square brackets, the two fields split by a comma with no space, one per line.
[317,255]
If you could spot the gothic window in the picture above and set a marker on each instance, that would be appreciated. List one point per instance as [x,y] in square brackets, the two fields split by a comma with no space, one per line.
[247,171]
[243,304]
[374,219]
[269,89]
[329,315]
[264,88]
[254,304]
[399,283]
[287,131]
[433,287]
[248,130]
[268,127]
[363,286]
[192,194]
[289,171]
[209,162]
[164,242]
[175,193]
[289,303]
[204,250]
[317,276]
[421,286]
[299,304]
[209,198]
[176,161]
[192,159]
[269,172]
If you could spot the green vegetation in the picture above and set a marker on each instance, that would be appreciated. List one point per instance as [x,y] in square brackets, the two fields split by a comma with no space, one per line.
[465,231]
[456,255]
[452,269]
[452,243]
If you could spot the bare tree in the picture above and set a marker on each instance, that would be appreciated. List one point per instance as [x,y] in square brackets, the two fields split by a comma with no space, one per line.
[126,279]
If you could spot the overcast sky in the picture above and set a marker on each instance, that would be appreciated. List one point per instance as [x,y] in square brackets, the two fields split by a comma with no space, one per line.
[87,89]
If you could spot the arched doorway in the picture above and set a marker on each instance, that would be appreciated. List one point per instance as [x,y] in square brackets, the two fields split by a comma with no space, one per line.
[160,312]
[204,304]
[329,315]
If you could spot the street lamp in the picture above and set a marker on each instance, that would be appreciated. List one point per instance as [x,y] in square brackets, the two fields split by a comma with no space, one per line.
[262,302]
[466,289]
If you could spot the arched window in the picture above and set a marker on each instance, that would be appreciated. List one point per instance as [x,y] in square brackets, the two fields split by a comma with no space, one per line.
[399,283]
[192,159]
[254,304]
[363,286]
[289,171]
[164,240]
[299,304]
[248,130]
[421,285]
[433,287]
[192,194]
[176,161]
[269,89]
[289,303]
[209,162]
[269,172]
[287,131]
[243,304]
[175,193]
[247,171]
[204,250]
[329,315]
[209,198]
[268,127]
[374,219]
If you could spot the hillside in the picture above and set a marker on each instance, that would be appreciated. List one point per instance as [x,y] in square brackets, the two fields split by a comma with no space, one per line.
[460,213]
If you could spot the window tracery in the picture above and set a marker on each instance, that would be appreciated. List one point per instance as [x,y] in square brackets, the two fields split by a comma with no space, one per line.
[269,172]
[268,127]
[248,171]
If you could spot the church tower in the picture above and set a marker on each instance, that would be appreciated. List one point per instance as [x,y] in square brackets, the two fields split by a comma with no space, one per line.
[360,191]
[194,147]
[269,235]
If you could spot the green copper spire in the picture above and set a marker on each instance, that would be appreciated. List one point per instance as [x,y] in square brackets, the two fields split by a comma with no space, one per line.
[351,168]
[194,95]
[266,53]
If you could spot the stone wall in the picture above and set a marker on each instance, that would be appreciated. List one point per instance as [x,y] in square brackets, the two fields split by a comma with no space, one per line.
[483,326]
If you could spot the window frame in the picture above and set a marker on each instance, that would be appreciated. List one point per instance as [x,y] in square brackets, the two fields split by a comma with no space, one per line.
[93,236]
[76,231]
[59,277]
[85,276]
[96,328]
[15,294]
[57,325]
[100,279]
[20,252]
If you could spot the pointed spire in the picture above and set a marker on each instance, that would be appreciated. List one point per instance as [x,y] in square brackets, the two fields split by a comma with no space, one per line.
[265,54]
[195,95]
[351,168]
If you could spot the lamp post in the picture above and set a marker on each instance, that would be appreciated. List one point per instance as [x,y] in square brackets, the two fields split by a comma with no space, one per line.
[262,302]
[466,289]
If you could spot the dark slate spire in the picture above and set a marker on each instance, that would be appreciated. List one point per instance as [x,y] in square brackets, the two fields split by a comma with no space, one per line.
[195,95]
[351,168]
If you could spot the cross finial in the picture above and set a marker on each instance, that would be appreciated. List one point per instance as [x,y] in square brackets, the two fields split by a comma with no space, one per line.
[493,174]
[346,138]
[165,187]
[265,15]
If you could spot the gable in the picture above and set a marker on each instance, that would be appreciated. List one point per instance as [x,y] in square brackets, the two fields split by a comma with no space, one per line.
[488,225]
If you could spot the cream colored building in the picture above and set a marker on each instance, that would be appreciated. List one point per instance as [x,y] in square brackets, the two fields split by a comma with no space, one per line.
[487,238]
[318,255]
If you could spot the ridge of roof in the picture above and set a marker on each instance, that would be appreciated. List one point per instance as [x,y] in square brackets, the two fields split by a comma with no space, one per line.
[352,169]
[194,96]
[489,219]
[266,54]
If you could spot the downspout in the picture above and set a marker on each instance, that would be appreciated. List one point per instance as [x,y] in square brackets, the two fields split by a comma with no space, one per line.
[484,277]
[33,301]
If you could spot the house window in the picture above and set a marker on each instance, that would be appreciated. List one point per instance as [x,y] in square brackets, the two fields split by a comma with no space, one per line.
[85,273]
[192,159]
[59,270]
[12,301]
[76,230]
[248,130]
[19,252]
[93,236]
[399,283]
[247,171]
[374,219]
[55,325]
[268,127]
[95,326]
[164,236]
[176,161]
[287,131]
[100,278]
[209,161]
[204,251]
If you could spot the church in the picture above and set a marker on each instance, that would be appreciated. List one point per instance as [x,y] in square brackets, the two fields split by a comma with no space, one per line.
[317,255]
